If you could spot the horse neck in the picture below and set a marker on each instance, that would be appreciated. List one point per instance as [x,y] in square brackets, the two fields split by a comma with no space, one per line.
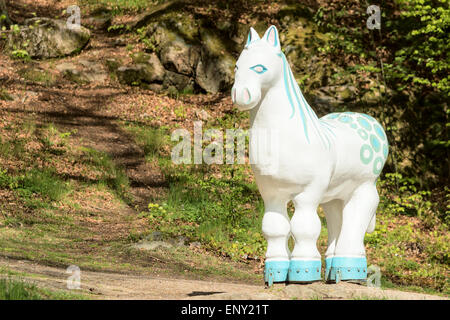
[297,107]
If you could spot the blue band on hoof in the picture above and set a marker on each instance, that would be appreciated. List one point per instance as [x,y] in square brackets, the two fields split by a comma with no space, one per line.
[275,271]
[304,270]
[348,268]
[328,262]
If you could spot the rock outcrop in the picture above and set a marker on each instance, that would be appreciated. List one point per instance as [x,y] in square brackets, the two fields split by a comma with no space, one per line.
[44,38]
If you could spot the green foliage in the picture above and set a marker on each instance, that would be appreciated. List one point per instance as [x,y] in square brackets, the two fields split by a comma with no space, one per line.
[20,54]
[118,28]
[37,75]
[423,60]
[149,44]
[408,200]
[152,140]
[43,182]
[4,95]
[407,62]
[118,7]
[37,187]
[18,290]
[111,175]
[223,213]
[54,141]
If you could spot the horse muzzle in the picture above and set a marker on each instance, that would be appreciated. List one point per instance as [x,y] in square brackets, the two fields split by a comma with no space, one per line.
[245,98]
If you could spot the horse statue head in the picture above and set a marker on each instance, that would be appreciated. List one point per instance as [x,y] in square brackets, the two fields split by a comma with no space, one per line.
[257,69]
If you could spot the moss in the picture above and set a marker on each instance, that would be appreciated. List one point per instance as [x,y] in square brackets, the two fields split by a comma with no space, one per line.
[5,96]
[38,75]
[140,57]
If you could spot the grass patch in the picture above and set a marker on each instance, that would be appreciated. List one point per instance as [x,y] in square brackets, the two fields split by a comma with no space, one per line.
[411,241]
[38,188]
[5,96]
[220,210]
[117,7]
[110,175]
[13,289]
[43,182]
[37,75]
[18,290]
[152,140]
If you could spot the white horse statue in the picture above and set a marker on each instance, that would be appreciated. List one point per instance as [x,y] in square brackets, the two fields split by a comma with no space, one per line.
[333,161]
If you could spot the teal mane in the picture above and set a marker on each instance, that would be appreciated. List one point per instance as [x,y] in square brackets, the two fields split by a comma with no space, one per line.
[307,114]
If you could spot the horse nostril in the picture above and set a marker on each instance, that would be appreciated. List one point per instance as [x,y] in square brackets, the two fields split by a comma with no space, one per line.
[247,96]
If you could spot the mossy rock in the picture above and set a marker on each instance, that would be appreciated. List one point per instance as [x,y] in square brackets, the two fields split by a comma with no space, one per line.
[44,38]
[37,75]
[75,76]
[5,96]
[179,81]
[113,64]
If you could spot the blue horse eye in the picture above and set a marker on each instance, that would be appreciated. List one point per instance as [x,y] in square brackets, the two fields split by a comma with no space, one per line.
[259,68]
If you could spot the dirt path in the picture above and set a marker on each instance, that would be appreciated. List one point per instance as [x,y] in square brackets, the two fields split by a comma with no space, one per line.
[100,285]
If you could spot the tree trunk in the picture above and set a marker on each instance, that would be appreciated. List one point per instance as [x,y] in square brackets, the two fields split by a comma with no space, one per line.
[4,18]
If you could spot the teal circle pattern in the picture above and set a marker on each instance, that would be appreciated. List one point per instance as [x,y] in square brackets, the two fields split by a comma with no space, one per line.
[363,134]
[379,132]
[376,145]
[368,117]
[332,115]
[364,123]
[353,126]
[345,119]
[378,165]
[385,151]
[366,154]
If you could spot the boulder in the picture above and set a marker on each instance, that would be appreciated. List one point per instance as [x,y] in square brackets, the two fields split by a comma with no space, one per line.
[180,57]
[214,72]
[137,74]
[132,74]
[112,64]
[45,38]
[100,19]
[146,69]
[153,64]
[85,71]
[179,81]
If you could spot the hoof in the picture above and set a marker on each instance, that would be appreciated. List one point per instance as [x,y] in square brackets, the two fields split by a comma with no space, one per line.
[275,271]
[347,268]
[304,271]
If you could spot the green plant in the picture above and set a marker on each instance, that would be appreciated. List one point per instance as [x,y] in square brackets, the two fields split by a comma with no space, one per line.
[20,54]
[223,213]
[407,62]
[4,95]
[43,182]
[148,42]
[18,290]
[152,140]
[111,175]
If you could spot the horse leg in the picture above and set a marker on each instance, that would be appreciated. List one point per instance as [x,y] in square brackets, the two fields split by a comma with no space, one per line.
[276,230]
[305,263]
[333,214]
[349,260]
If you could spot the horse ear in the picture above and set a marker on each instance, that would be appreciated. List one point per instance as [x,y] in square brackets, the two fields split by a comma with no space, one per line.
[252,36]
[271,36]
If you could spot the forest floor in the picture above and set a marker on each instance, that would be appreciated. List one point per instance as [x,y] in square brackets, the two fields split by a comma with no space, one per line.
[86,135]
